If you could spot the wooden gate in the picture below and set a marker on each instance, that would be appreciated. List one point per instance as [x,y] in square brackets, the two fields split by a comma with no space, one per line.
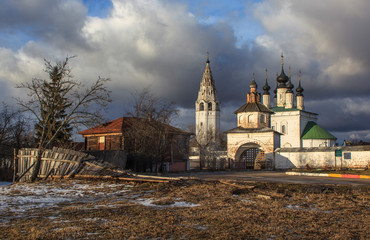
[247,158]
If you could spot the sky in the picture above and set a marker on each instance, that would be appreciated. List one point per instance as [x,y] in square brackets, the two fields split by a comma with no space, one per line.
[164,45]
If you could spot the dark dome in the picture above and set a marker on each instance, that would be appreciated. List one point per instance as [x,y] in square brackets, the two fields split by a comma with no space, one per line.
[282,79]
[299,90]
[253,83]
[290,86]
[266,88]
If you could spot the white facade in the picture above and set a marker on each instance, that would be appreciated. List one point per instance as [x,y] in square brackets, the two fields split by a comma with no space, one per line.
[207,109]
[291,125]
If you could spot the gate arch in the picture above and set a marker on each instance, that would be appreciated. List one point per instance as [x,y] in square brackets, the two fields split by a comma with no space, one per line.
[246,155]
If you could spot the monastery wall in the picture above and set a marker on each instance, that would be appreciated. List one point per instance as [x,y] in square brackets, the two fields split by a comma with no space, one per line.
[352,157]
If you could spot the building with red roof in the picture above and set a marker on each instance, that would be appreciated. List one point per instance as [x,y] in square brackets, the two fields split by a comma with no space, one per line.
[124,133]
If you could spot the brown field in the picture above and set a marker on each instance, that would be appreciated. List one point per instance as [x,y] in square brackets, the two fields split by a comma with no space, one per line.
[188,209]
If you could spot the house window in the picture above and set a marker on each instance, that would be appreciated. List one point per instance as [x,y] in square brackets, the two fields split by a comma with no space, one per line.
[201,106]
[283,129]
[101,143]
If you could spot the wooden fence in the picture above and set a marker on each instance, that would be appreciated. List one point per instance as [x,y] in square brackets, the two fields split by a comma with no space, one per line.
[57,162]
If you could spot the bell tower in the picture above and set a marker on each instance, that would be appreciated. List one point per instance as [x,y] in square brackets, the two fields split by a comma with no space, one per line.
[207,109]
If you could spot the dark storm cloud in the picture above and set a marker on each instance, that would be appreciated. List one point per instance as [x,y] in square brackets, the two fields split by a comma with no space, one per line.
[161,44]
[57,22]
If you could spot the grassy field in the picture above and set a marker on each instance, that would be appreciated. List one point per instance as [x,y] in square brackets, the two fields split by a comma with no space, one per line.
[189,209]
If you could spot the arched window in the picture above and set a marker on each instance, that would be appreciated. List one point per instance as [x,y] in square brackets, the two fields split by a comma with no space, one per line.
[283,129]
[209,106]
[201,107]
[250,118]
[262,119]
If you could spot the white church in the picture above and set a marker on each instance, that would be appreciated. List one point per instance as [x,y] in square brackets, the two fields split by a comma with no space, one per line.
[279,135]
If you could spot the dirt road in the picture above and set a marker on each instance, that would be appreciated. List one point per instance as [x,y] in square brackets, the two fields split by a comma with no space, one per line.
[272,176]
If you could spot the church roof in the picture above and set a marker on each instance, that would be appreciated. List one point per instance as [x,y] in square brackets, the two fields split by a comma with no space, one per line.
[314,131]
[251,130]
[253,107]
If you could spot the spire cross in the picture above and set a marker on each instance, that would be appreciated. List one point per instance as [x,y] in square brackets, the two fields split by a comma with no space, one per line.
[289,73]
[266,74]
[207,56]
[299,75]
[282,59]
[253,76]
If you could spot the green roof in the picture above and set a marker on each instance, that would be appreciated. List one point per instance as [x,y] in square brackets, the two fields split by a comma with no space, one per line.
[314,131]
[283,109]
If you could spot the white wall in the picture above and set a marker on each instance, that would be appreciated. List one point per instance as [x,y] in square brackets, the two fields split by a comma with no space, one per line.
[322,157]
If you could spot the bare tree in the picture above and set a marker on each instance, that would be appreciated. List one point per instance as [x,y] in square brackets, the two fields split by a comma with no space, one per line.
[151,135]
[209,147]
[69,104]
[14,133]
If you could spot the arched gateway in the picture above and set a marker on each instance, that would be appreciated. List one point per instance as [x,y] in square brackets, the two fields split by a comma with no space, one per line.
[246,156]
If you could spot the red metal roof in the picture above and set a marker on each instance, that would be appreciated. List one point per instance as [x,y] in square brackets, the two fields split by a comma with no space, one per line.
[119,124]
[114,126]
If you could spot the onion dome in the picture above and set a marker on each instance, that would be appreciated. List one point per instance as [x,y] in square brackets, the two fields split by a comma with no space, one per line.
[275,90]
[266,88]
[290,86]
[299,89]
[253,83]
[282,79]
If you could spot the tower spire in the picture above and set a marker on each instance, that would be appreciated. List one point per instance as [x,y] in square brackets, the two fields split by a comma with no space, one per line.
[207,107]
[282,60]
[266,88]
[266,95]
[299,90]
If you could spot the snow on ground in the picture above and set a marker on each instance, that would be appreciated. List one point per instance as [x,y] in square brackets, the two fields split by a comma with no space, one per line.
[149,202]
[24,199]
[5,184]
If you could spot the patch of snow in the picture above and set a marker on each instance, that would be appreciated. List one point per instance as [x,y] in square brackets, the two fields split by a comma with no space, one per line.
[293,207]
[149,203]
[5,184]
[22,198]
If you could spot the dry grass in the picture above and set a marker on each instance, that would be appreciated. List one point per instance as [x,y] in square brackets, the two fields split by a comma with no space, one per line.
[223,211]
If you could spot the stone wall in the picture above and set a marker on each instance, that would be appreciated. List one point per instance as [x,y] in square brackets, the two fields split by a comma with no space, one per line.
[352,157]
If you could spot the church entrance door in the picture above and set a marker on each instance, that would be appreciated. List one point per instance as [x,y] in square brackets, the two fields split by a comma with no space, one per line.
[248,157]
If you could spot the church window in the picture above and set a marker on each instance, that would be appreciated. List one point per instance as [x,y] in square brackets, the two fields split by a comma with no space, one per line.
[201,106]
[209,106]
[201,124]
[283,129]
[262,119]
[250,118]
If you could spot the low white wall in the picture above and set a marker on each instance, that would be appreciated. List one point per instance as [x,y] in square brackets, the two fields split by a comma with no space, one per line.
[352,157]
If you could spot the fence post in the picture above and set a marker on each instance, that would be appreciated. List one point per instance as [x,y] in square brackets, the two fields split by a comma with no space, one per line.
[15,164]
